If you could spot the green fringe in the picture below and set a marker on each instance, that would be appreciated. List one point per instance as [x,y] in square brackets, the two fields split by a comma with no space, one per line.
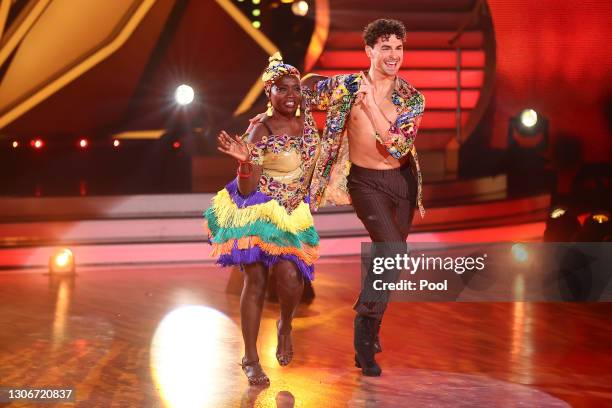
[267,231]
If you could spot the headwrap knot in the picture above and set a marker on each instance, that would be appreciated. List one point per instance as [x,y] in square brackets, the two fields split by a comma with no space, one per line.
[276,69]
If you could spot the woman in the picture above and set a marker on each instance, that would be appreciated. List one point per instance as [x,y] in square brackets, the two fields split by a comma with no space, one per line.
[261,220]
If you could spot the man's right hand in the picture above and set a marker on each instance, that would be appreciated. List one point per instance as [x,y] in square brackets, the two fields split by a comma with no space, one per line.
[254,121]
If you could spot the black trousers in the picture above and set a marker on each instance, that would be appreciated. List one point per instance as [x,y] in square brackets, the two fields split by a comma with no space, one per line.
[384,200]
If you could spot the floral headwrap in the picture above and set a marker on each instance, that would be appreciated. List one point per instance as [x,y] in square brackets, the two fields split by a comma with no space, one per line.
[276,69]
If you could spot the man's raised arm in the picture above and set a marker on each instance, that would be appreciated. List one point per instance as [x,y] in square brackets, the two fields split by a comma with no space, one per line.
[317,90]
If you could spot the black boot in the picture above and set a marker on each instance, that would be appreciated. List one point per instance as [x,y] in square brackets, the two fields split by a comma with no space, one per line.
[365,336]
[377,346]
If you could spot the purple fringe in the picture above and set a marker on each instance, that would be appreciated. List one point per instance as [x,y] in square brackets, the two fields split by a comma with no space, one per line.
[256,254]
[256,197]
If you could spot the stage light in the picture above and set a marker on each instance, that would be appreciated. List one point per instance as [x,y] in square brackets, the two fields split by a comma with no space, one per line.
[561,225]
[526,163]
[184,94]
[83,143]
[300,8]
[557,212]
[519,252]
[256,12]
[176,145]
[62,262]
[529,118]
[15,144]
[596,227]
[600,218]
[529,122]
[256,24]
[256,1]
[37,143]
[116,143]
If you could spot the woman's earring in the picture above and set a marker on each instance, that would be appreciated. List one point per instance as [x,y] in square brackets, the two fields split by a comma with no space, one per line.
[270,110]
[297,112]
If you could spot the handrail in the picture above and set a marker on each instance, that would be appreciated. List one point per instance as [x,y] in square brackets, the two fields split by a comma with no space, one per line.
[454,42]
[468,20]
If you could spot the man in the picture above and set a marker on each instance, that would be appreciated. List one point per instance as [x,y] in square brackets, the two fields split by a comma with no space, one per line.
[368,158]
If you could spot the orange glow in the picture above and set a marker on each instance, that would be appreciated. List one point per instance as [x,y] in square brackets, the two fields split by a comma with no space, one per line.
[600,218]
[62,261]
[15,144]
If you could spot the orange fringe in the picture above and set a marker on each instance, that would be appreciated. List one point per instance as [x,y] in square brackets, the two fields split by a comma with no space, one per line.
[307,253]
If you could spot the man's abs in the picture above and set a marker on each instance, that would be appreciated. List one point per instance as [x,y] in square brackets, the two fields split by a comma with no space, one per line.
[364,150]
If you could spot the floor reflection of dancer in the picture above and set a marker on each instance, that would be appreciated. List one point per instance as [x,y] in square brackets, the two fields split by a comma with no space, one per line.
[261,220]
[372,120]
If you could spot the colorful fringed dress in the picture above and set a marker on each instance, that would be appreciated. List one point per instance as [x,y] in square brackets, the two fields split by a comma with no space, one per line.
[274,222]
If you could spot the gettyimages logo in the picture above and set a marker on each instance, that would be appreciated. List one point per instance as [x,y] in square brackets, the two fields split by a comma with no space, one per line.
[412,264]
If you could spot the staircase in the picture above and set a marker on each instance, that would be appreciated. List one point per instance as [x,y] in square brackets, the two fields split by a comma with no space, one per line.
[430,64]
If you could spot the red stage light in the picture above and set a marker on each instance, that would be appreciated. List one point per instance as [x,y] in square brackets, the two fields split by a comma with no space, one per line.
[176,145]
[37,143]
[83,143]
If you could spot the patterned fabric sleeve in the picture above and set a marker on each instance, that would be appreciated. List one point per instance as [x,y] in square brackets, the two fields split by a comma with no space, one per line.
[257,150]
[319,95]
[401,135]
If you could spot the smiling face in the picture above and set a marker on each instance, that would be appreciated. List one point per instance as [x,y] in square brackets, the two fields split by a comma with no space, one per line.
[386,55]
[286,95]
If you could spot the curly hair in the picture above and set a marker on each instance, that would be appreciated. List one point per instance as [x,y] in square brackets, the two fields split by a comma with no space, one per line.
[383,28]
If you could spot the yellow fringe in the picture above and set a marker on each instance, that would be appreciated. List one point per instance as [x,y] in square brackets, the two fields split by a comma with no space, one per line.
[307,253]
[229,215]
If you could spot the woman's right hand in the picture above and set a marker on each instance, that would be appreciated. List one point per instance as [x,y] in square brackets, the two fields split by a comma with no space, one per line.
[232,146]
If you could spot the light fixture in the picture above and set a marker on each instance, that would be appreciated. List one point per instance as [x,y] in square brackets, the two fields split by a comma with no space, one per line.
[15,144]
[184,94]
[37,143]
[528,122]
[83,143]
[600,218]
[525,157]
[596,228]
[300,8]
[62,261]
[116,143]
[256,12]
[561,225]
[176,144]
[529,118]
[256,24]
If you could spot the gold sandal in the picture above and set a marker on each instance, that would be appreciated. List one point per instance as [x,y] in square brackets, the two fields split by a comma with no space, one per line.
[283,341]
[254,372]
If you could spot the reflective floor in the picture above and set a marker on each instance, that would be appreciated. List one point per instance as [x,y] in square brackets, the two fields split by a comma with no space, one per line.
[169,336]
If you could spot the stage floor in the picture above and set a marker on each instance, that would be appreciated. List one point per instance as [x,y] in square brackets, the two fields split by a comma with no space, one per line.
[170,336]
